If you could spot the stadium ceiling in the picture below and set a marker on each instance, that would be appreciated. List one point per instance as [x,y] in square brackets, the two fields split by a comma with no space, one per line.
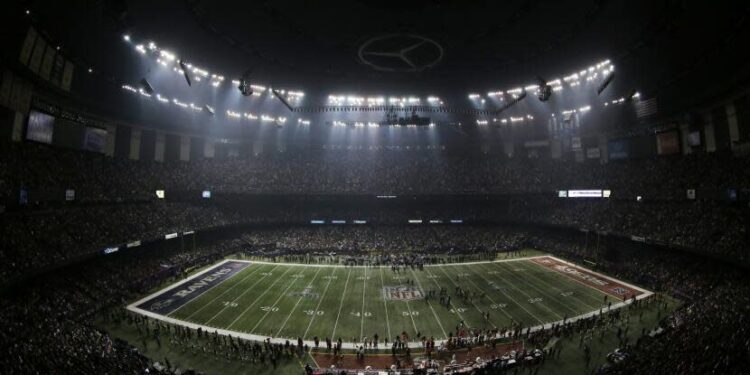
[422,46]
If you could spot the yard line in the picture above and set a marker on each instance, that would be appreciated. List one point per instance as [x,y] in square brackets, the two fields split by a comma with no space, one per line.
[570,281]
[298,301]
[362,325]
[238,297]
[487,295]
[457,312]
[281,295]
[315,313]
[514,300]
[546,294]
[527,295]
[385,305]
[219,296]
[256,298]
[562,302]
[429,304]
[343,295]
[472,302]
[411,315]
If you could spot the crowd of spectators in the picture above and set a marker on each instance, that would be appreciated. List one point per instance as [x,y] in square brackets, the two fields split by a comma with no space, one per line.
[97,177]
[43,238]
[49,323]
[115,201]
[707,334]
[385,239]
[700,225]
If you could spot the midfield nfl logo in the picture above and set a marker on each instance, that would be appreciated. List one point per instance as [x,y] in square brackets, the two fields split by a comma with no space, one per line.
[402,293]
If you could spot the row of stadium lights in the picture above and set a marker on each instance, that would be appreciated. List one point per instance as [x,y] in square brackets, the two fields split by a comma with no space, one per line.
[370,124]
[206,108]
[236,115]
[338,100]
[528,118]
[506,120]
[166,58]
[589,74]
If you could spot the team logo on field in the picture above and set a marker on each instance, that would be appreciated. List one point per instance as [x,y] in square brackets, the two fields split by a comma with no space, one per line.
[305,293]
[402,293]
[619,291]
[156,306]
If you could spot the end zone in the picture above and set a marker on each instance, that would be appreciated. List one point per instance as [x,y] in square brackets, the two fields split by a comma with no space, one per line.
[168,300]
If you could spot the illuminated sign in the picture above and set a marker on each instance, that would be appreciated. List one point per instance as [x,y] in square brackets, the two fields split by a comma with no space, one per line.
[111,250]
[591,193]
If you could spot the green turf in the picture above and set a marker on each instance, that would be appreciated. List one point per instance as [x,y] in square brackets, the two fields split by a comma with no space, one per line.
[348,302]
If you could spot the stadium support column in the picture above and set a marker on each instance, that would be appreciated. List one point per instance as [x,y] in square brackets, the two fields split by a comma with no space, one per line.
[135,144]
[603,148]
[184,148]
[17,132]
[684,131]
[709,132]
[555,148]
[159,147]
[734,131]
[209,148]
[508,147]
[109,149]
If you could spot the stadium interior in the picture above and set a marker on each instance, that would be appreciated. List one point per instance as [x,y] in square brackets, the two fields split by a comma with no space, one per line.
[372,187]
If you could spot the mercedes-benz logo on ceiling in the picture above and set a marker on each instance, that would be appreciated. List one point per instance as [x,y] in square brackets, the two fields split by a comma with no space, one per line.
[400,53]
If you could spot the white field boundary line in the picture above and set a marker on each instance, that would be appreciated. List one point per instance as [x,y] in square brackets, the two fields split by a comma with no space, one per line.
[388,265]
[349,345]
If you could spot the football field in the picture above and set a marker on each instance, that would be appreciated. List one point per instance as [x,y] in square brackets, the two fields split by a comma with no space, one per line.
[258,300]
